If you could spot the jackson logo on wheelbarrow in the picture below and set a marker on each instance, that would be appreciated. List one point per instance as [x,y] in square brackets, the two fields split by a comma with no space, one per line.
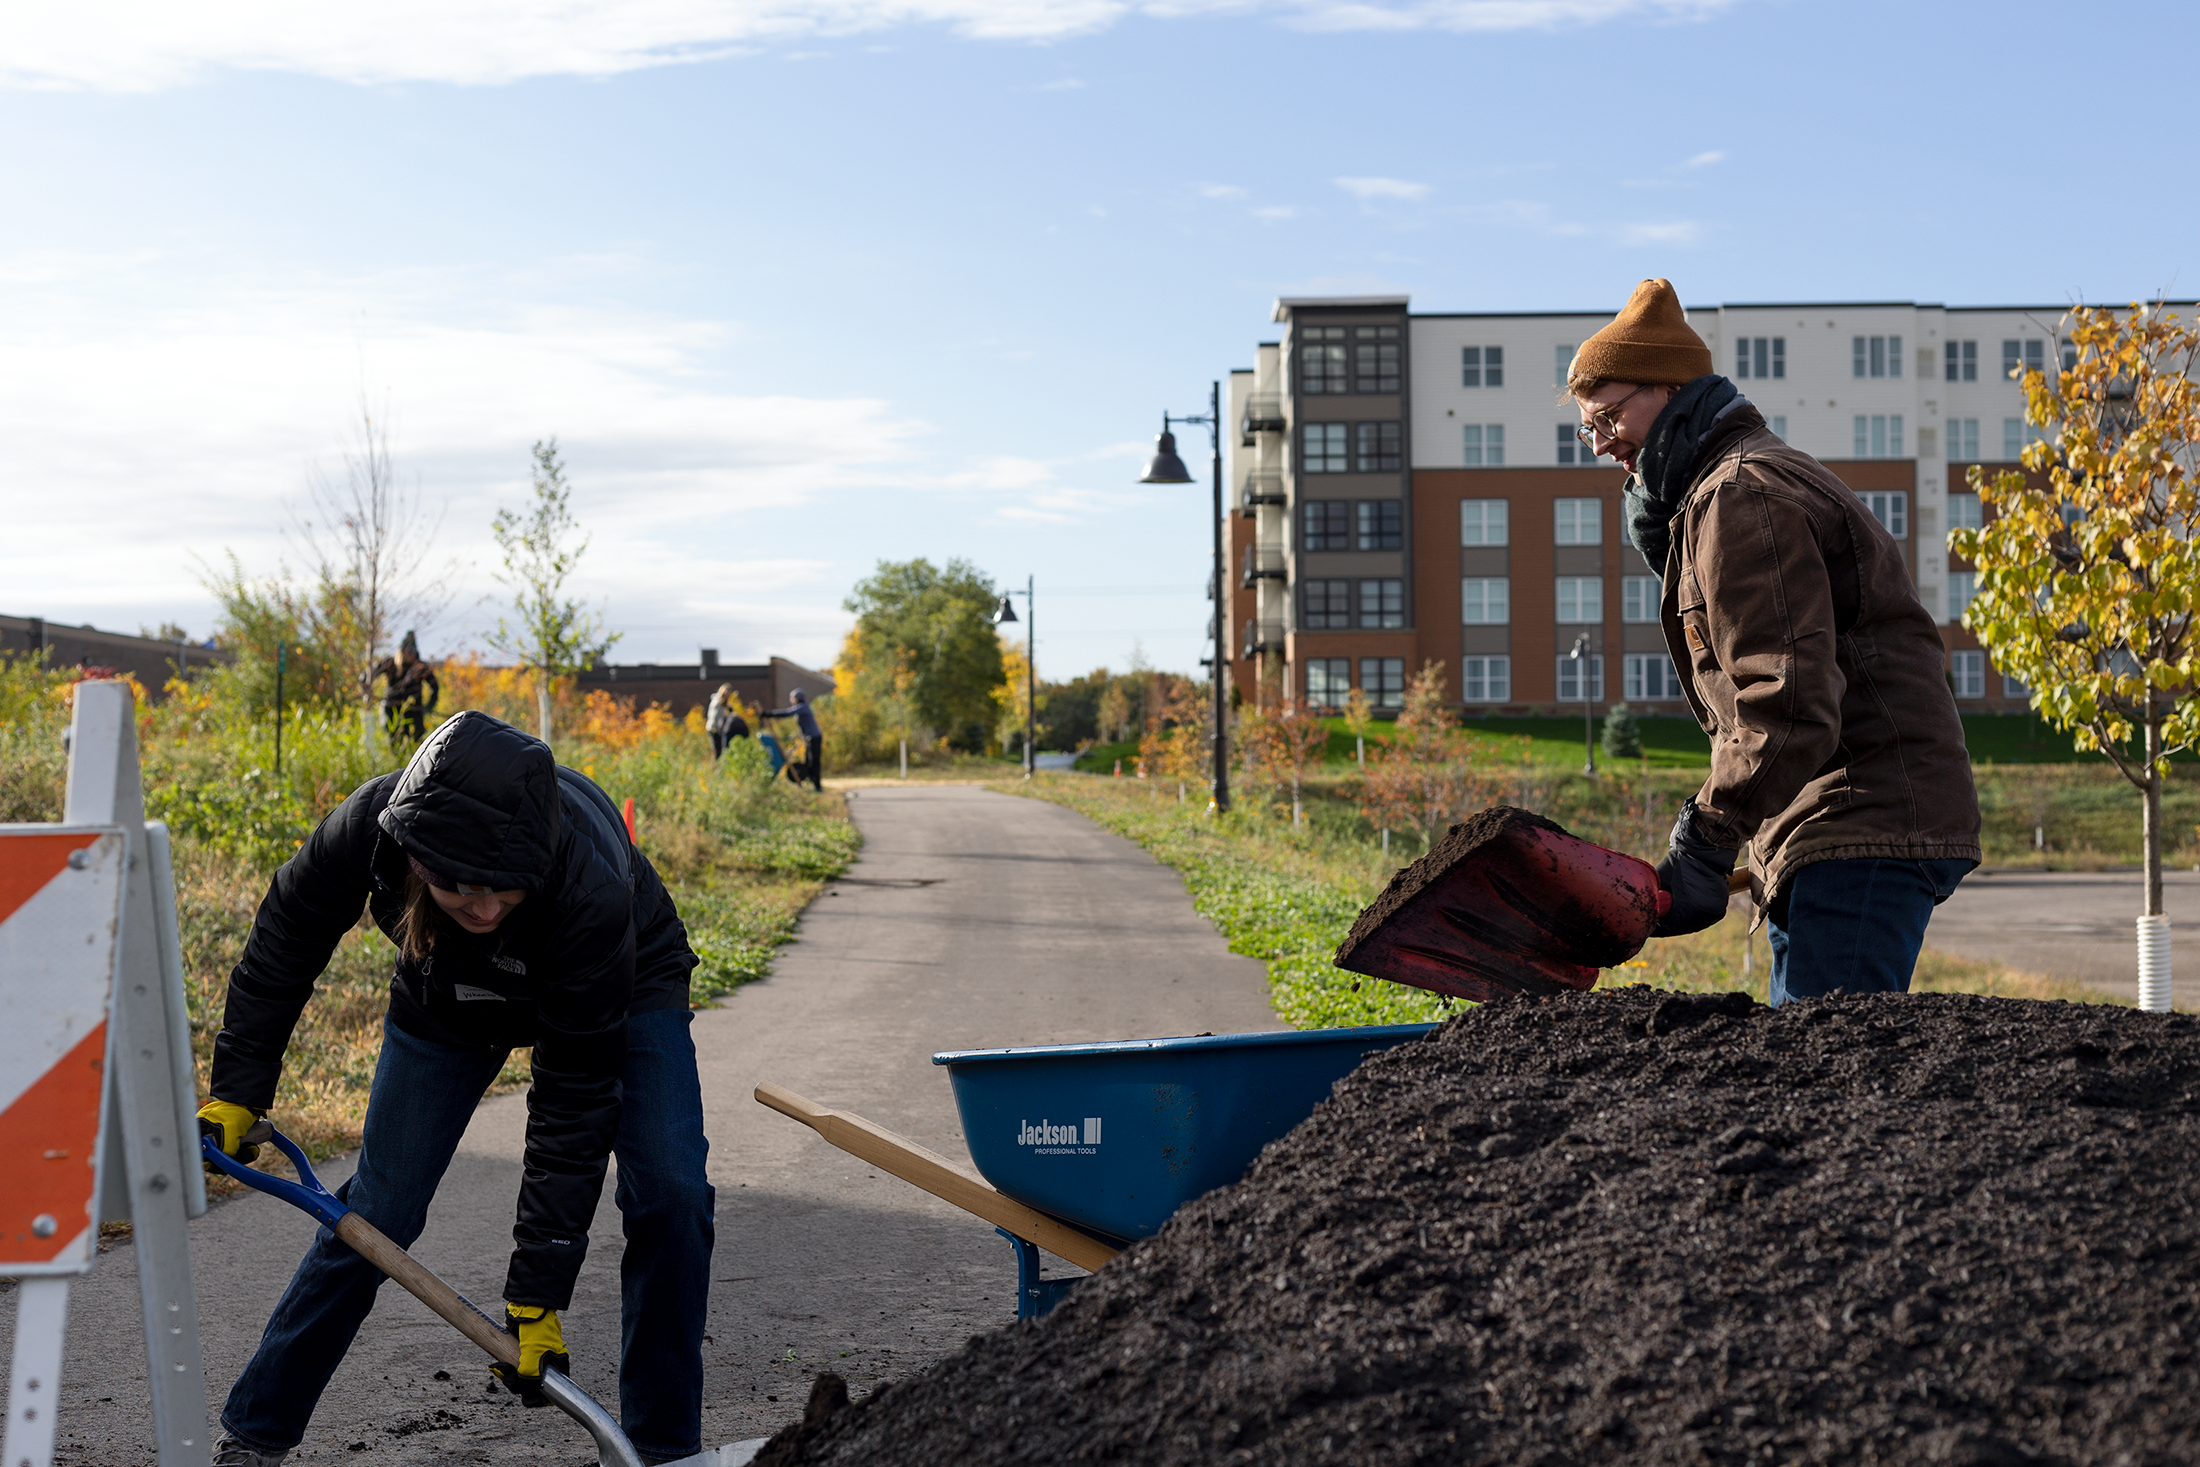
[1052,1140]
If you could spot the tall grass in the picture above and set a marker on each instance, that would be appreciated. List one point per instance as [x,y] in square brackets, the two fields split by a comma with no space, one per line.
[741,855]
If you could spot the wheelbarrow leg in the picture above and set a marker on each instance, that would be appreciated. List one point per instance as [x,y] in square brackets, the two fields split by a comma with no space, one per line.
[1035,1295]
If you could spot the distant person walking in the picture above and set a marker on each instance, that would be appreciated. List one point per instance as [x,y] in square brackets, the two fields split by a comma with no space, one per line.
[723,719]
[411,693]
[812,762]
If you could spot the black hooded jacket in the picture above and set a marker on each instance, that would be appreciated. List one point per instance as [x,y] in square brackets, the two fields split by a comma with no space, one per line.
[595,939]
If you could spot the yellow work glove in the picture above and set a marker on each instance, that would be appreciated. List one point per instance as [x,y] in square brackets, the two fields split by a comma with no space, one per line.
[229,1125]
[541,1343]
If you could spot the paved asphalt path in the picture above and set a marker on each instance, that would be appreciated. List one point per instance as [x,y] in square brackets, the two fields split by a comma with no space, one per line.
[2072,924]
[972,919]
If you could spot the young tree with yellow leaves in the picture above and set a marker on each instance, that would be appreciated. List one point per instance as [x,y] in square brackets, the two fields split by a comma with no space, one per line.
[2088,573]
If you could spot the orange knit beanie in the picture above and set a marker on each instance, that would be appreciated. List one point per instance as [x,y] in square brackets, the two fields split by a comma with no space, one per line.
[1649,342]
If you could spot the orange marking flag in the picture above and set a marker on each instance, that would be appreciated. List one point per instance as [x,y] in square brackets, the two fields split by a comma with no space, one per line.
[60,921]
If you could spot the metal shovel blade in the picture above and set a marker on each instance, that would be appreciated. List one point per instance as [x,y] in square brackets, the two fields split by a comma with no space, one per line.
[1507,903]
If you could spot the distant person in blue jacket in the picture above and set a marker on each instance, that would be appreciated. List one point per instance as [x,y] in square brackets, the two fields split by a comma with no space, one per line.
[812,762]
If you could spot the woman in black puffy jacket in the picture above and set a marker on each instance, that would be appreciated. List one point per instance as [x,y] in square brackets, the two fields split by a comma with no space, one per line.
[523,916]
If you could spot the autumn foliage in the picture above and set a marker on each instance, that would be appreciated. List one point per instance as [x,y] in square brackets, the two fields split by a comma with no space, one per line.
[2088,573]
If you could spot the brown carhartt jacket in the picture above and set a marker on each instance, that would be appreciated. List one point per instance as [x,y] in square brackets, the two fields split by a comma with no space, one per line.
[1813,666]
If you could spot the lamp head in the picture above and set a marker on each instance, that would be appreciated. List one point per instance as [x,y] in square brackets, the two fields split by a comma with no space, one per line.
[1004,612]
[1166,467]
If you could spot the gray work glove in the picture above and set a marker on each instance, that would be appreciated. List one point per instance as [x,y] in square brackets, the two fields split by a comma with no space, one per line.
[1695,872]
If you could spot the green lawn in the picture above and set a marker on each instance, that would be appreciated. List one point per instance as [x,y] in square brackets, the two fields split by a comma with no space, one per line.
[1667,743]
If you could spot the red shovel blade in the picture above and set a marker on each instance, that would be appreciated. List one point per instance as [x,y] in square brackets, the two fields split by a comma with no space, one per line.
[1507,903]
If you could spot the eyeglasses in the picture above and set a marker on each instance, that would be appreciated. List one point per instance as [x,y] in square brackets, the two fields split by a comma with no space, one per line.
[1600,421]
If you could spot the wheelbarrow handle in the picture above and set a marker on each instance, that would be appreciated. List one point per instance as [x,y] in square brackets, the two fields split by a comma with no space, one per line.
[372,1244]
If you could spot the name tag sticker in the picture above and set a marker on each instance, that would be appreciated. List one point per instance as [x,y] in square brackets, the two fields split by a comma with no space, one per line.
[467,993]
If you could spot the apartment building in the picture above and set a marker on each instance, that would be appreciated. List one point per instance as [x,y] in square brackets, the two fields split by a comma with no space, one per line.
[1408,488]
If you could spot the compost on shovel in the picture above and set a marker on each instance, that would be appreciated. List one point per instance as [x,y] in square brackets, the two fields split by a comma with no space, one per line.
[1645,1227]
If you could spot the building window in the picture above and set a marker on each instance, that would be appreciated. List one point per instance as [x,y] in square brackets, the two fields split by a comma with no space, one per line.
[1569,679]
[1485,600]
[1321,360]
[1962,586]
[1326,524]
[1375,448]
[1375,359]
[1564,363]
[1580,598]
[1328,681]
[2016,436]
[2020,357]
[1760,356]
[1579,521]
[1964,512]
[2011,688]
[1324,448]
[1876,356]
[1383,679]
[1960,363]
[1891,507]
[1483,522]
[1328,605]
[1963,440]
[1485,445]
[1481,366]
[1638,598]
[1485,679]
[1571,450]
[1382,604]
[1967,671]
[1878,435]
[1779,427]
[1382,524]
[1650,676]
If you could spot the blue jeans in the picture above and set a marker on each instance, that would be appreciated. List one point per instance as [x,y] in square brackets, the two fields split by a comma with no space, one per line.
[1854,926]
[424,1094]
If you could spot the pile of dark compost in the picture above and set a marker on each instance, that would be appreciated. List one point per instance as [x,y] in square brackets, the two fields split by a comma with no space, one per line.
[1646,1227]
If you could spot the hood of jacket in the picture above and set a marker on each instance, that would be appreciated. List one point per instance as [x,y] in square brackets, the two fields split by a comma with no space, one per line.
[479,802]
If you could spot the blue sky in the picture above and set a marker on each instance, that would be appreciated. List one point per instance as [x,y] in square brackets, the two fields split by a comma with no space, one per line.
[805,284]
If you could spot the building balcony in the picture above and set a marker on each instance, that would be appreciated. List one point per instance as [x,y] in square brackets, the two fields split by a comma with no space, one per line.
[1263,414]
[1262,636]
[1262,486]
[1262,563]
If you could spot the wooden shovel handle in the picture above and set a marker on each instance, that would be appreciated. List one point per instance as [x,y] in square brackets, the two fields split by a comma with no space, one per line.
[369,1243]
[939,1176]
[1737,880]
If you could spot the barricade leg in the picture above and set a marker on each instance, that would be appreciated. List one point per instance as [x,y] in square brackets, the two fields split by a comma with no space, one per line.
[34,1383]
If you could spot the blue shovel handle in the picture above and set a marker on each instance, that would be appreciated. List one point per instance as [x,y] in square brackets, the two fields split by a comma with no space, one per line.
[306,1193]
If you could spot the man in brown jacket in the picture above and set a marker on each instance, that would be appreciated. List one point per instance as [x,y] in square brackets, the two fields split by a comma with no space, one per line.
[1836,754]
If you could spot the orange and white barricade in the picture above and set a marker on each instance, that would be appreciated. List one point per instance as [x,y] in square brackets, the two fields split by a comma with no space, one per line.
[97,1095]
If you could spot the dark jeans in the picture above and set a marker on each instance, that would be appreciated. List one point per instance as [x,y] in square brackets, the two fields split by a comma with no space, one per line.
[717,744]
[812,765]
[1854,926]
[424,1094]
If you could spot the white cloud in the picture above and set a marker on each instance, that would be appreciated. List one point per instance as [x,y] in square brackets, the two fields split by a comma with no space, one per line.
[142,45]
[1368,189]
[1675,232]
[1705,160]
[1223,191]
[161,435]
[1273,213]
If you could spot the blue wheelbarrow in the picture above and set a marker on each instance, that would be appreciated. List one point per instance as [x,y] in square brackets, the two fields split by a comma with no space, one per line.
[1086,1148]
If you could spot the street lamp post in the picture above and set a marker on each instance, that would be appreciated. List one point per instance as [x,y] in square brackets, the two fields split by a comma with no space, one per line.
[1006,612]
[1167,468]
[1581,675]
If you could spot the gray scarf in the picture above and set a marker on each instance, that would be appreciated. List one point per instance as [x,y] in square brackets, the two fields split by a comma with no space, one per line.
[1667,465]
